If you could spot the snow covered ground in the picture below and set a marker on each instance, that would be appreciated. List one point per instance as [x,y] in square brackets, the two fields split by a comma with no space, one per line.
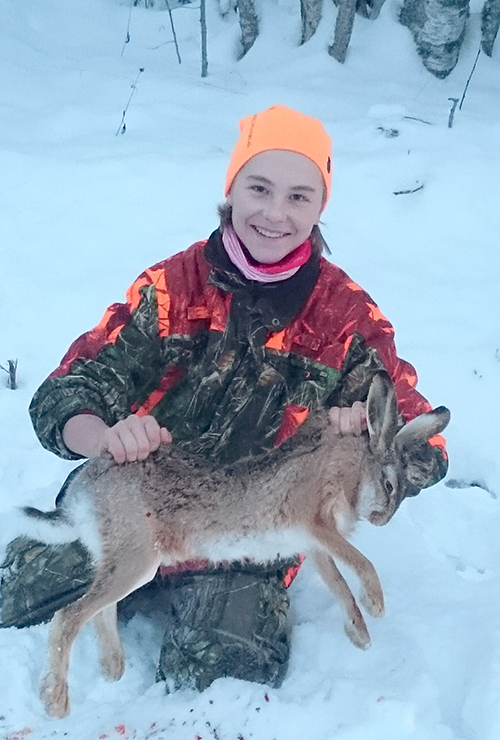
[83,211]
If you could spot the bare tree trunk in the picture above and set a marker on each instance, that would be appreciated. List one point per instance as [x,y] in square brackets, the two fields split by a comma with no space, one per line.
[203,22]
[369,8]
[490,23]
[310,12]
[438,28]
[249,24]
[343,30]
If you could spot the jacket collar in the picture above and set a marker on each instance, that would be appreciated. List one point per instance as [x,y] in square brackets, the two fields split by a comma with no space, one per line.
[277,303]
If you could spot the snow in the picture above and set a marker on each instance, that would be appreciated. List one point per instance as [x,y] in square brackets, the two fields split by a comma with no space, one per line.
[84,211]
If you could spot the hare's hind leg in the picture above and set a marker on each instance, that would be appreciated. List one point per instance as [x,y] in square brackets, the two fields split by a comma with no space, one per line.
[354,624]
[112,655]
[114,580]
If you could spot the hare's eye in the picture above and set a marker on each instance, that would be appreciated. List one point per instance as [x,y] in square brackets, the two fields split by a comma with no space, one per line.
[389,487]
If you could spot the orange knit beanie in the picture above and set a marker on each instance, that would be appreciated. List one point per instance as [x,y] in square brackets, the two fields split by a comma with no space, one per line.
[282,128]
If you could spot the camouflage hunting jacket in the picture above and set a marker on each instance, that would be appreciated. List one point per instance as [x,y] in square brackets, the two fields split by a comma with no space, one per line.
[231,367]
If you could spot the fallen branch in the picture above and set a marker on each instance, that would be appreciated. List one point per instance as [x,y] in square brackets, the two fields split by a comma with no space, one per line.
[421,120]
[408,192]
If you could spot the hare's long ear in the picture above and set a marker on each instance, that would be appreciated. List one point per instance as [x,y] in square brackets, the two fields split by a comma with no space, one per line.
[420,430]
[381,413]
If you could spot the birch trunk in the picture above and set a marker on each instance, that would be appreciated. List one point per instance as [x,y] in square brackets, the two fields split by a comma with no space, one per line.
[343,30]
[438,28]
[490,23]
[249,24]
[310,12]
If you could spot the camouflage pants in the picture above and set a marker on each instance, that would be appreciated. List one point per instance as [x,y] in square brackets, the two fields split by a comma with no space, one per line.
[229,621]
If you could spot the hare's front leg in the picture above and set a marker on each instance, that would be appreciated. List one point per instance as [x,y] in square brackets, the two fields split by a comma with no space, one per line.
[354,624]
[372,596]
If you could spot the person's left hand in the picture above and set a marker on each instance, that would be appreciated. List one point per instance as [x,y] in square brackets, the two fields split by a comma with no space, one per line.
[348,420]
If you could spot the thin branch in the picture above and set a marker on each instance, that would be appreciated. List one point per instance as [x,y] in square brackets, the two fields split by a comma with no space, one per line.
[467,85]
[122,127]
[173,31]
[127,37]
[163,43]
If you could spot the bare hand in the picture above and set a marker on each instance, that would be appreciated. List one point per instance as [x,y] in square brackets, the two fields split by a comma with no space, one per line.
[348,420]
[134,438]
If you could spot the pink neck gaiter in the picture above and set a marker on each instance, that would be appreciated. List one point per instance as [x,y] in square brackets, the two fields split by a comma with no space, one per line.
[262,273]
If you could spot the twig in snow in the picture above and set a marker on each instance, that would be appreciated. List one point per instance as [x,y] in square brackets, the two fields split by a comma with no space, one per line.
[173,31]
[122,127]
[390,133]
[463,483]
[452,111]
[467,84]
[408,192]
[421,120]
[127,37]
[11,370]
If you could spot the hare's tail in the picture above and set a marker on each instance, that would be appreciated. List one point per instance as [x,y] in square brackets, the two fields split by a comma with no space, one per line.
[50,527]
[64,524]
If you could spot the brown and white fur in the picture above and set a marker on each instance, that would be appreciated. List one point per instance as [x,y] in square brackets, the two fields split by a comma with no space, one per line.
[304,497]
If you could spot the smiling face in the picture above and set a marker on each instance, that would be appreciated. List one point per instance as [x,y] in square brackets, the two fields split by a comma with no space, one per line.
[276,199]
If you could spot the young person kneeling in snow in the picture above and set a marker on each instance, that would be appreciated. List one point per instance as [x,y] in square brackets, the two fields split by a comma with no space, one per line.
[222,348]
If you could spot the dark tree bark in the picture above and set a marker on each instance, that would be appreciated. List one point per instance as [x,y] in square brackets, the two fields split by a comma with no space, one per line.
[490,23]
[203,23]
[310,12]
[438,28]
[369,8]
[249,24]
[343,30]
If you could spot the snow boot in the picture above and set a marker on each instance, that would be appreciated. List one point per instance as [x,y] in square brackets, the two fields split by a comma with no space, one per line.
[229,621]
[38,579]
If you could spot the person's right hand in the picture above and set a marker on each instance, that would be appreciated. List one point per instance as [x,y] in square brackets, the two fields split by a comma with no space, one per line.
[134,438]
[131,439]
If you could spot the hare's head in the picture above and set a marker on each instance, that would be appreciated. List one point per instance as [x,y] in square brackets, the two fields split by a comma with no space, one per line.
[402,457]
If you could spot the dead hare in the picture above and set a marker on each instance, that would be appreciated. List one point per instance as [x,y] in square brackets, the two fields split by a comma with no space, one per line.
[305,496]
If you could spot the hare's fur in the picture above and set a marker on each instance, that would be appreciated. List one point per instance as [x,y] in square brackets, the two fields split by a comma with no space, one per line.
[305,497]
